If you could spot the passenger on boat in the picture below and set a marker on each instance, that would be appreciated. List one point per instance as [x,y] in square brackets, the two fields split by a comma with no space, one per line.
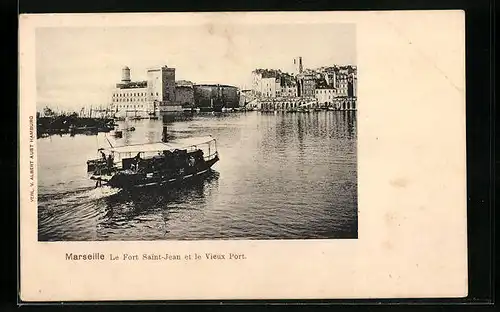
[192,161]
[110,161]
[167,154]
[199,158]
[137,159]
[199,155]
[103,155]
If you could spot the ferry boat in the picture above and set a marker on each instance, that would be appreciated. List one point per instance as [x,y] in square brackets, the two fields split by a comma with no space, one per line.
[150,164]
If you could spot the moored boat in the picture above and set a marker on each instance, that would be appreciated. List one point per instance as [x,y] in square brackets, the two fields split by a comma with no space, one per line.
[158,163]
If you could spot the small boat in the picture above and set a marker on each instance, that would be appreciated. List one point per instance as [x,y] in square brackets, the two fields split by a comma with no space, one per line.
[105,128]
[191,110]
[149,164]
[84,130]
[130,129]
[206,109]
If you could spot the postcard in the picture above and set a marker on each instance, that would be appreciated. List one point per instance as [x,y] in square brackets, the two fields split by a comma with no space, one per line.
[220,156]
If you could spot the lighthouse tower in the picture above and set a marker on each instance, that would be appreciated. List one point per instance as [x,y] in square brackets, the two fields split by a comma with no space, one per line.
[125,74]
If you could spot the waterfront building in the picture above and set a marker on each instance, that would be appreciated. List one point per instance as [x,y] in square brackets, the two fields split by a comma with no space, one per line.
[247,98]
[266,82]
[344,103]
[330,78]
[142,98]
[352,82]
[216,96]
[341,83]
[329,86]
[161,87]
[289,91]
[131,97]
[270,87]
[306,85]
[184,93]
[286,104]
[325,96]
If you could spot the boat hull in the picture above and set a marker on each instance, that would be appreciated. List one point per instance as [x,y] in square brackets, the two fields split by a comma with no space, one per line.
[127,179]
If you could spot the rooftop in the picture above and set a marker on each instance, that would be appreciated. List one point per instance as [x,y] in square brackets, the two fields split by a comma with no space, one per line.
[184,83]
[213,85]
[161,146]
[132,85]
[268,73]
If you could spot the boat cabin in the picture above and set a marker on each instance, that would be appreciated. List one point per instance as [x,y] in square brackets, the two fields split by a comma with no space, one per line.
[151,157]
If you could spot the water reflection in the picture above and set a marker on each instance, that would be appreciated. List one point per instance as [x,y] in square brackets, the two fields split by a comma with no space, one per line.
[135,206]
[142,200]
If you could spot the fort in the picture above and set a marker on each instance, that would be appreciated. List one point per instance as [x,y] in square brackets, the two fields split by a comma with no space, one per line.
[162,93]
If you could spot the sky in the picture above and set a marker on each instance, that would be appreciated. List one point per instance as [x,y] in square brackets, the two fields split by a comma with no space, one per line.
[78,67]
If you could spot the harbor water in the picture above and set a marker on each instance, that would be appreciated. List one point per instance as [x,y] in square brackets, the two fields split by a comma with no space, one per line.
[280,176]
